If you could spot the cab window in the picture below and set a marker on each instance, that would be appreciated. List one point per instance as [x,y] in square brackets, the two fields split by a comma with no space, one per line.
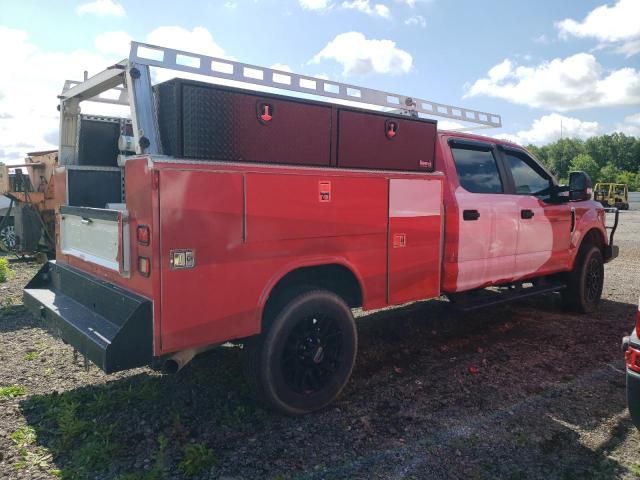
[527,180]
[477,170]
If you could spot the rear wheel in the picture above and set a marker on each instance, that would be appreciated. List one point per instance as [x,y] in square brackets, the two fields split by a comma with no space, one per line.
[304,358]
[8,237]
[585,281]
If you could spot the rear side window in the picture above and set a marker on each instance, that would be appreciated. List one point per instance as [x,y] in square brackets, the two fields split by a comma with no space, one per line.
[477,170]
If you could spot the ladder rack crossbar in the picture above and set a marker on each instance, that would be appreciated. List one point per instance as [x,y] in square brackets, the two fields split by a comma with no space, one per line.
[163,57]
[114,95]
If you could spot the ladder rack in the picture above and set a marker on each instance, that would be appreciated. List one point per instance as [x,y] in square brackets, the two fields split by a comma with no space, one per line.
[155,56]
[129,83]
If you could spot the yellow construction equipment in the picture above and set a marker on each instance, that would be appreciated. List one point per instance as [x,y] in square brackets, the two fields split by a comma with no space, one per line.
[612,195]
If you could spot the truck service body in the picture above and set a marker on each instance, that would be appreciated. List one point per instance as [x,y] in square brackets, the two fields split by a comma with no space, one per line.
[268,217]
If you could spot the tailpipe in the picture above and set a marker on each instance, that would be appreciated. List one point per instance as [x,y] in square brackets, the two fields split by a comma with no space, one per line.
[177,361]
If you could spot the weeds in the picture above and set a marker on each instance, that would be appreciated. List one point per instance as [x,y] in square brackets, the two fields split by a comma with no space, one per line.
[31,355]
[5,270]
[196,459]
[12,391]
[24,438]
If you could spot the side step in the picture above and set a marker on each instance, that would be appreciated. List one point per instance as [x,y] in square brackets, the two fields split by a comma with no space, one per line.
[469,301]
[110,326]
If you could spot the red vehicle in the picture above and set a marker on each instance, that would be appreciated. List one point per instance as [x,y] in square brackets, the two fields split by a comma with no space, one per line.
[264,219]
[631,348]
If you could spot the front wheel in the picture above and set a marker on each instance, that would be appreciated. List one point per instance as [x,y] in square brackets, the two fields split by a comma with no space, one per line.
[585,281]
[304,358]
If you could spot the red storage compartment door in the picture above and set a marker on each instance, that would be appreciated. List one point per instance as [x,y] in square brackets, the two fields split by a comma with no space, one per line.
[386,142]
[415,236]
[225,125]
[201,225]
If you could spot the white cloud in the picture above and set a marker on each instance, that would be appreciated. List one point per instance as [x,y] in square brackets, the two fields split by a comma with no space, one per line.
[449,125]
[548,128]
[115,43]
[416,20]
[282,67]
[617,25]
[28,100]
[198,40]
[359,55]
[315,4]
[101,8]
[28,115]
[575,82]
[365,6]
[541,39]
[630,126]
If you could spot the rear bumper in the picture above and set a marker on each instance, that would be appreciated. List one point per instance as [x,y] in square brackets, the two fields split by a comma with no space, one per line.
[111,326]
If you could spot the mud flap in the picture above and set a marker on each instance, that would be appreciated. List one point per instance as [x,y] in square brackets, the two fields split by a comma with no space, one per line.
[111,326]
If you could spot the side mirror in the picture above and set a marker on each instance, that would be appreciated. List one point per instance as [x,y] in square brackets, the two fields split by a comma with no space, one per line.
[579,186]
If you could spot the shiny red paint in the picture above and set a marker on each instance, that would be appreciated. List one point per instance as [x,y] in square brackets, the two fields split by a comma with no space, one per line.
[400,233]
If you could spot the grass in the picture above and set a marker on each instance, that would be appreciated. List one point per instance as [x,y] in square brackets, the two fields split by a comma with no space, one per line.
[197,458]
[90,432]
[5,270]
[634,468]
[12,391]
[31,355]
[30,456]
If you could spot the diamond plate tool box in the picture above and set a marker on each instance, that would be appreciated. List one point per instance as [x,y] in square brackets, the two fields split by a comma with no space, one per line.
[201,121]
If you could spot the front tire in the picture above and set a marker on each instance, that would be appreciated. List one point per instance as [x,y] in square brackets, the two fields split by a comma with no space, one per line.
[304,357]
[585,281]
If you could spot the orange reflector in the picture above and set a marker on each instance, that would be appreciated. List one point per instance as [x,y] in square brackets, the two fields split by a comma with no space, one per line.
[144,235]
[144,266]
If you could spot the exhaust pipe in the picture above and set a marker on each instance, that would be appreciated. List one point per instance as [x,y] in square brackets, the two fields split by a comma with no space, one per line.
[178,360]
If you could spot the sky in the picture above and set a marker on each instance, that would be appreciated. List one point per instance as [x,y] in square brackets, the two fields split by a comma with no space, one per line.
[539,64]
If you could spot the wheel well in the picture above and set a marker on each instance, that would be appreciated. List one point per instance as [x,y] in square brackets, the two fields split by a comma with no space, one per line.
[594,237]
[335,278]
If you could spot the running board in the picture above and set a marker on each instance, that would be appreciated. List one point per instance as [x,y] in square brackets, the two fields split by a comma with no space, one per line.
[475,300]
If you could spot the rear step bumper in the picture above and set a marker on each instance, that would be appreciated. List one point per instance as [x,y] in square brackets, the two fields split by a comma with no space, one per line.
[111,326]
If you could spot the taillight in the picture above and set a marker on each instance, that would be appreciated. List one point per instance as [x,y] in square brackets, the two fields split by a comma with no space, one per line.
[632,357]
[144,266]
[143,234]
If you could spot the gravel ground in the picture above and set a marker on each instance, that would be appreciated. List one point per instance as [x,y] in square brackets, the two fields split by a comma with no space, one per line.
[519,391]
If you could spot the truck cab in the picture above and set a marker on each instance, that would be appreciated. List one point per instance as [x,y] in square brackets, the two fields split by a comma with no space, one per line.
[227,214]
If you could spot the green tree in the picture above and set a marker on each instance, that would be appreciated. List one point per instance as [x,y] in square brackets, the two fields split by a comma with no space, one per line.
[608,174]
[560,154]
[585,163]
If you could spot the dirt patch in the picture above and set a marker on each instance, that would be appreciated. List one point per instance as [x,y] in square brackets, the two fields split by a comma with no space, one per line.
[522,391]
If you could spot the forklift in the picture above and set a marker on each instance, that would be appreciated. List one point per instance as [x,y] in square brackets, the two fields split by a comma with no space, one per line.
[612,195]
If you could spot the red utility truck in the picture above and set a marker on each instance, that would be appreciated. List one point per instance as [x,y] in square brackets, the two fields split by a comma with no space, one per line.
[239,215]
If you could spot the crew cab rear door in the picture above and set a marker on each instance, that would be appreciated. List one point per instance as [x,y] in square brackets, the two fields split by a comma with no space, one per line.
[544,231]
[481,234]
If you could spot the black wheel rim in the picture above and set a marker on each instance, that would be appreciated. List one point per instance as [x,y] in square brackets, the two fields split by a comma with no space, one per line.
[311,355]
[594,280]
[8,237]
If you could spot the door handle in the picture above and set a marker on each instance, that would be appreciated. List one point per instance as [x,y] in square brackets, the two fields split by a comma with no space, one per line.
[526,214]
[470,215]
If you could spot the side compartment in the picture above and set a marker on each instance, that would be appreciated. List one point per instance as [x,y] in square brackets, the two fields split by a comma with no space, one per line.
[415,239]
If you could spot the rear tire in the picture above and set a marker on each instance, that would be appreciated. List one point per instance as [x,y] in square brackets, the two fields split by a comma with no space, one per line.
[304,357]
[585,281]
